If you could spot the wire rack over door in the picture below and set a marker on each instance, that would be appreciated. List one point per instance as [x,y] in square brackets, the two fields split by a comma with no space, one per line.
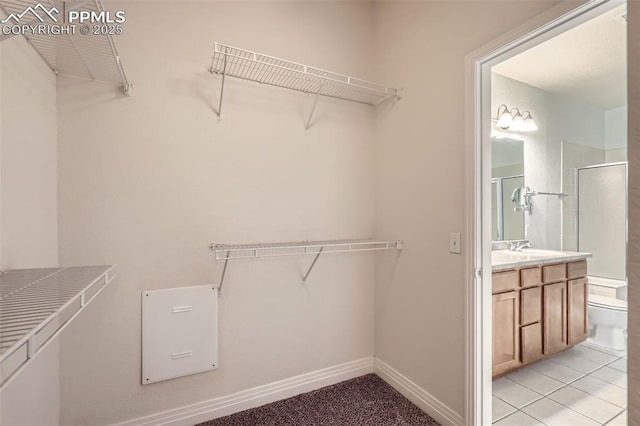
[88,56]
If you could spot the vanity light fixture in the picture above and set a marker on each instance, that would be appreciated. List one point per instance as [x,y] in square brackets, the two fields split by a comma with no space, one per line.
[515,121]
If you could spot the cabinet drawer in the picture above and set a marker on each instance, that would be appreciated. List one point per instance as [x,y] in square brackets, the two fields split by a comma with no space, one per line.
[503,281]
[553,273]
[530,277]
[530,305]
[577,269]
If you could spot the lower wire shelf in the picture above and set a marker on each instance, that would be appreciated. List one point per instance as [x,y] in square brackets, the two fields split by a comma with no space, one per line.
[36,304]
[228,252]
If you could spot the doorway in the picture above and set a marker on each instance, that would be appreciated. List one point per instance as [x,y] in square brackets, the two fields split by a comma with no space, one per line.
[543,235]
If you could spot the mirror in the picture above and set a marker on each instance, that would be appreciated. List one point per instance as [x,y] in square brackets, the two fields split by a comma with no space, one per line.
[507,176]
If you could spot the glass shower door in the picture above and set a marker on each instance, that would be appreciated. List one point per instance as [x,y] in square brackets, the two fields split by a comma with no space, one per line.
[602,218]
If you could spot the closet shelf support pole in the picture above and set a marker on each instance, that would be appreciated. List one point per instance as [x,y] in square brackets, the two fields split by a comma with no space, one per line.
[315,259]
[224,74]
[224,271]
[313,109]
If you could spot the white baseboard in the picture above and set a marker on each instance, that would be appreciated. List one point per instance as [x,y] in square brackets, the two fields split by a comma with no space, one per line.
[255,397]
[414,393]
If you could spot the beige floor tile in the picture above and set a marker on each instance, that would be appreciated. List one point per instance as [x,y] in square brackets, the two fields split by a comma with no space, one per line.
[500,409]
[556,371]
[552,413]
[611,375]
[586,404]
[535,381]
[603,390]
[518,419]
[513,393]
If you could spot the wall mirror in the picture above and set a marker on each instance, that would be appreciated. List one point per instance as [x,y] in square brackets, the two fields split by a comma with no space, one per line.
[507,174]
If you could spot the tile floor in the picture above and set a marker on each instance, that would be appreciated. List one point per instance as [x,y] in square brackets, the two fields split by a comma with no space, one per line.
[585,385]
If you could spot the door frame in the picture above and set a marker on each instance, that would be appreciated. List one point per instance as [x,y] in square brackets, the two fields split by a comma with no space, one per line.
[556,20]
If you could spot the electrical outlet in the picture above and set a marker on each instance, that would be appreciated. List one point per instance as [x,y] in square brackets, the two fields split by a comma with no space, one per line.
[455,239]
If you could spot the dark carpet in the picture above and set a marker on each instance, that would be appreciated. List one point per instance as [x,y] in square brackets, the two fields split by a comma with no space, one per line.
[365,400]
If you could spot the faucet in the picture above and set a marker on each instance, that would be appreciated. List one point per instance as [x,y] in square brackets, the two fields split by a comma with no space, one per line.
[518,245]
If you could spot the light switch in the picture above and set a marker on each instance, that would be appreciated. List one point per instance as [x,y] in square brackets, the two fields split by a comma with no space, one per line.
[455,242]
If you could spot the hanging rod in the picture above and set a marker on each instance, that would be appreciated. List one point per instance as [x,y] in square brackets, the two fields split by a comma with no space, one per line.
[228,252]
[265,69]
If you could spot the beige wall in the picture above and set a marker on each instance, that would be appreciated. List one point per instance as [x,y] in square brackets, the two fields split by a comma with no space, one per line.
[633,39]
[28,216]
[420,180]
[148,182]
[28,211]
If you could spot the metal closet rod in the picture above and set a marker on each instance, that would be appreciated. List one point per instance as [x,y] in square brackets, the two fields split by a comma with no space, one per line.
[228,252]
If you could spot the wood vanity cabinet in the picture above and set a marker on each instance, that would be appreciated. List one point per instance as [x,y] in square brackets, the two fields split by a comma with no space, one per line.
[538,311]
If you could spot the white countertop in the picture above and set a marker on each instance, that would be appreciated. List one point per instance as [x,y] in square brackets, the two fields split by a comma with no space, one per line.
[505,259]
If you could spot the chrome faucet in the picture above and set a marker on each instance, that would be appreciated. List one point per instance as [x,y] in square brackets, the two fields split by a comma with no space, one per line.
[518,245]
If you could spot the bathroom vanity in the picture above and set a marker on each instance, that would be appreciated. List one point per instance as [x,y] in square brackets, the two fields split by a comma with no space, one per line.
[539,305]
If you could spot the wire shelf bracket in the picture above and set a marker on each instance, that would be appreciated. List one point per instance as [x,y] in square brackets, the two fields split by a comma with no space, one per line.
[227,252]
[91,56]
[265,69]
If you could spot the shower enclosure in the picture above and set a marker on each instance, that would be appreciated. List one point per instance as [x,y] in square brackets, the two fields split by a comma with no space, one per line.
[602,218]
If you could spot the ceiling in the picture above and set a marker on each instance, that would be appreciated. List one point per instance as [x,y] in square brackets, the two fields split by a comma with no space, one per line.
[588,62]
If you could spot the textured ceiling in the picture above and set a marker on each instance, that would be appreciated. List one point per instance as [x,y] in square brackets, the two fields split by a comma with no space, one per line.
[588,62]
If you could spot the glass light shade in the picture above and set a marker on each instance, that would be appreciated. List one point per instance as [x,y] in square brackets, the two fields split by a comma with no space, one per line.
[529,124]
[504,118]
[517,125]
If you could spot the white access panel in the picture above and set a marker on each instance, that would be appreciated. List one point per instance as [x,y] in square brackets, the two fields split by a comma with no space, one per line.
[179,332]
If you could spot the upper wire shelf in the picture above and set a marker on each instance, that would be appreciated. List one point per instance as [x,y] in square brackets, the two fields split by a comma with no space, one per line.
[228,252]
[91,56]
[261,68]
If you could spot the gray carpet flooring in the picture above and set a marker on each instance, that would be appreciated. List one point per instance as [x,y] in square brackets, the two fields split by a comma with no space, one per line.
[363,401]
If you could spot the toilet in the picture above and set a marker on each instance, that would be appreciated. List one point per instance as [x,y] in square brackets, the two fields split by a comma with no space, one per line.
[608,318]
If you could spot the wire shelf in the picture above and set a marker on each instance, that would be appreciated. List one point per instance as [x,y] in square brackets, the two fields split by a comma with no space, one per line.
[36,304]
[87,56]
[228,252]
[265,69]
[301,248]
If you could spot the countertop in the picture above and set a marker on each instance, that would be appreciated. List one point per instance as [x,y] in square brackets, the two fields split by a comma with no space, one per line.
[505,259]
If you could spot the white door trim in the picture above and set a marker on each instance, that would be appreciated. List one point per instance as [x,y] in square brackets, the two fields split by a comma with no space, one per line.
[478,64]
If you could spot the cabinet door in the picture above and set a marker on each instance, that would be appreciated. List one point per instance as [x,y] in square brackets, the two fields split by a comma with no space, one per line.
[555,317]
[531,338]
[506,345]
[577,304]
